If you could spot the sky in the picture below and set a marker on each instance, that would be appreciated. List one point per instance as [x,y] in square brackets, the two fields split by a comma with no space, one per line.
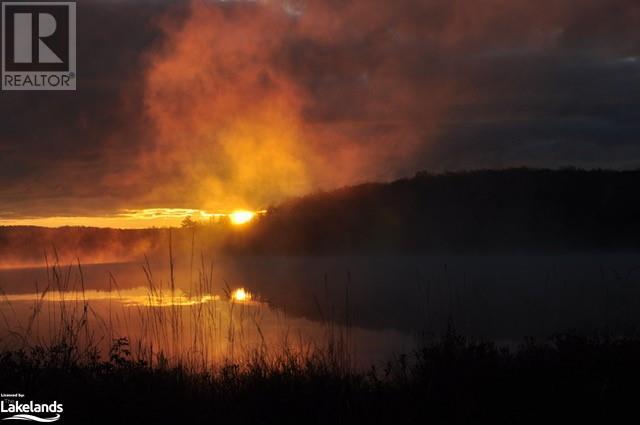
[223,105]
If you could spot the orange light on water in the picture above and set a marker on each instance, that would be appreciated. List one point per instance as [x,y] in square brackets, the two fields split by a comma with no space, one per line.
[240,295]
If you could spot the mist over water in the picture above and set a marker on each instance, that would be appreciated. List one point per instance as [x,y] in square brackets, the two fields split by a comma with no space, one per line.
[376,305]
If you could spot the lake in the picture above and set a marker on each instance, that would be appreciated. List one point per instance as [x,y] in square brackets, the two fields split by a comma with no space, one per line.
[375,306]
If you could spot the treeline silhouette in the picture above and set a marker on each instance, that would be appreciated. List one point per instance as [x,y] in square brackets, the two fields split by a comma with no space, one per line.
[476,211]
[508,209]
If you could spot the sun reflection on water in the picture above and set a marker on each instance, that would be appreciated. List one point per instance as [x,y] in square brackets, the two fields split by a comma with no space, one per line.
[241,295]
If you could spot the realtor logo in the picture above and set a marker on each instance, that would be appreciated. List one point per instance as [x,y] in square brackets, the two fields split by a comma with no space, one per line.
[38,46]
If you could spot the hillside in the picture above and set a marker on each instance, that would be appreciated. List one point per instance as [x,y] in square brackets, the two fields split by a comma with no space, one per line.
[466,211]
[478,211]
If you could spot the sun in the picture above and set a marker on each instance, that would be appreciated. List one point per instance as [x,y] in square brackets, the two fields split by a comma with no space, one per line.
[240,295]
[240,217]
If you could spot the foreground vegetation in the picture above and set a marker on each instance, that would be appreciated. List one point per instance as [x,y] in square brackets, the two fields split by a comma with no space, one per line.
[569,379]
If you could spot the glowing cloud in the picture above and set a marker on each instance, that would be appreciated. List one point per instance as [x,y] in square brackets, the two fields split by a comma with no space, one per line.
[226,124]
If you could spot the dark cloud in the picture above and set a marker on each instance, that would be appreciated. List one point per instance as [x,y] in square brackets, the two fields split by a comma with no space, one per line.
[358,89]
[61,151]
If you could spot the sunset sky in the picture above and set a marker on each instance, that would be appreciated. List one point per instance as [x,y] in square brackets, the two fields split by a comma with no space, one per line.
[224,105]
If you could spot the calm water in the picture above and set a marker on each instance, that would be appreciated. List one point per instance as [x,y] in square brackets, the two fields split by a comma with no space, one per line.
[385,300]
[202,329]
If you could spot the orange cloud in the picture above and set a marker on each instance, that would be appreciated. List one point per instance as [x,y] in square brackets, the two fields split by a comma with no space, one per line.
[241,119]
[226,125]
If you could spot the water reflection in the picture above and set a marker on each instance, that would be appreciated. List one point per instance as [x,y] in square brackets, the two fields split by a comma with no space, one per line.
[200,329]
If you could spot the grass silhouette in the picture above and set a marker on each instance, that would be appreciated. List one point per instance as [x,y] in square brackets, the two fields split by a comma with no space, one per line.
[159,378]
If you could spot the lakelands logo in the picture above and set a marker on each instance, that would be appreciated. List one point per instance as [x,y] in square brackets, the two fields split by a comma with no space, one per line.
[38,46]
[18,410]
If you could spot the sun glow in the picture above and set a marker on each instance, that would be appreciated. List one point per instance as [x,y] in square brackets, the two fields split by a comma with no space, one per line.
[241,295]
[140,218]
[241,217]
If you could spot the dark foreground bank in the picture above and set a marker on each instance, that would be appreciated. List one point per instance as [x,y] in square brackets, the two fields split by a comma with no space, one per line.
[568,379]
